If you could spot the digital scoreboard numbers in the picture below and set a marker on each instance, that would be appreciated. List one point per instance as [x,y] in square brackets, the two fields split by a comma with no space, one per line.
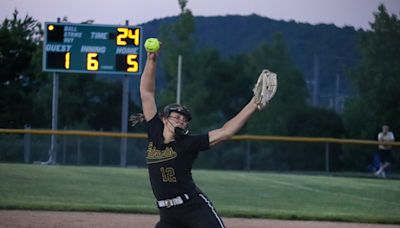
[86,48]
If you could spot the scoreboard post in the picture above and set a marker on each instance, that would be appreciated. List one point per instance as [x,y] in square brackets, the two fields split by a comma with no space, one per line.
[88,48]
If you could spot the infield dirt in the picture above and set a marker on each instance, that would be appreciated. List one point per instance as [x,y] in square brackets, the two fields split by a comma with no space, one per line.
[47,219]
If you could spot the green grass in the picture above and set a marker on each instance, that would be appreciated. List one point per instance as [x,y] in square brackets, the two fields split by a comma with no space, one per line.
[234,194]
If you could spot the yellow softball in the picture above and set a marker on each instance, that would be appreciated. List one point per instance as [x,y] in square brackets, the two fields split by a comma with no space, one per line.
[152,45]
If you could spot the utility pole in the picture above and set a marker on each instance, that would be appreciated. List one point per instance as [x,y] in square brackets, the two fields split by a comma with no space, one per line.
[316,81]
[179,81]
[337,93]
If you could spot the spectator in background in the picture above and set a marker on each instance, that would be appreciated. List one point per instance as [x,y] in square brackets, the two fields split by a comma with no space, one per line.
[375,162]
[384,151]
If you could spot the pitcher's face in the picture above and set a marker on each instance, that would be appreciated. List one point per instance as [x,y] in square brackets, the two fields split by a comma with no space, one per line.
[178,120]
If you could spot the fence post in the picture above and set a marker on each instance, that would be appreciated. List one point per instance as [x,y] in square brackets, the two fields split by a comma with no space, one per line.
[327,157]
[248,156]
[27,145]
[78,160]
[124,120]
[101,149]
[64,159]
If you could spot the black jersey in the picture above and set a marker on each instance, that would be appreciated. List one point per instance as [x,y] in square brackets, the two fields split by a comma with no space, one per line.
[170,164]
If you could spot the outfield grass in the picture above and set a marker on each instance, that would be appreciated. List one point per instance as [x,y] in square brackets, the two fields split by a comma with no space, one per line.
[238,194]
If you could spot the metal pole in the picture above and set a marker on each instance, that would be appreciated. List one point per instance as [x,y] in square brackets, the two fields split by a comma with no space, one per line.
[124,117]
[78,147]
[64,159]
[27,145]
[327,157]
[101,149]
[315,96]
[248,156]
[54,121]
[337,93]
[178,86]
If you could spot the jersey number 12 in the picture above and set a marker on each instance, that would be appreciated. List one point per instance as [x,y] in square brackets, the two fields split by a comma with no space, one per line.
[168,174]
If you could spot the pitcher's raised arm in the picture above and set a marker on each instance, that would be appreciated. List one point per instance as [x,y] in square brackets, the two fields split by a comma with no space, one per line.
[147,86]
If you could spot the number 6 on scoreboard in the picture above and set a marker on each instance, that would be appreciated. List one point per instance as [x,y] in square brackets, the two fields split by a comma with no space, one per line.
[92,61]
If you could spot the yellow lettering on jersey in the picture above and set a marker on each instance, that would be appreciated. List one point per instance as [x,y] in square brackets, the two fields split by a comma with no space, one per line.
[155,156]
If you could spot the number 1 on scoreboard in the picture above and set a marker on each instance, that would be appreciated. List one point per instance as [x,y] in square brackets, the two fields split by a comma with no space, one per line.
[67,60]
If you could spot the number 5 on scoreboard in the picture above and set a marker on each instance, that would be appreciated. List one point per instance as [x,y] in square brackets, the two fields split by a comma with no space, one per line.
[132,62]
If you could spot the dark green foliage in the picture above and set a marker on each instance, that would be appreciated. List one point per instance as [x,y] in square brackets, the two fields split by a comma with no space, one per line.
[18,46]
[377,79]
[216,88]
[377,82]
[18,39]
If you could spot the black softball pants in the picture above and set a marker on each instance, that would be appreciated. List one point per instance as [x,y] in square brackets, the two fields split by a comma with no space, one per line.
[198,212]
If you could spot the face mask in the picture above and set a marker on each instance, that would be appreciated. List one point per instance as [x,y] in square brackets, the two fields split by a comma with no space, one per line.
[180,132]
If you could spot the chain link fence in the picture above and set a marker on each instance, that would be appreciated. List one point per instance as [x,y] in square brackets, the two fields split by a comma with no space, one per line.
[242,152]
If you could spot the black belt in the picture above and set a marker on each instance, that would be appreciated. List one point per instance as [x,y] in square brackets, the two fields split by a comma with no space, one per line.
[173,202]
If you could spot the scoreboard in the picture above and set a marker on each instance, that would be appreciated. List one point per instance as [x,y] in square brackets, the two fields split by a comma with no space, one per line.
[88,48]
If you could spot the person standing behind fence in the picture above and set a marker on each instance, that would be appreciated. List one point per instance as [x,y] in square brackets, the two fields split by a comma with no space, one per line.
[385,151]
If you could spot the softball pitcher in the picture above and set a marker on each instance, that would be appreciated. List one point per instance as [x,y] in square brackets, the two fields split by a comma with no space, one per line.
[172,150]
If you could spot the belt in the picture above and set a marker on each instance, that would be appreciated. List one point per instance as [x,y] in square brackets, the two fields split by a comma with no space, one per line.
[173,202]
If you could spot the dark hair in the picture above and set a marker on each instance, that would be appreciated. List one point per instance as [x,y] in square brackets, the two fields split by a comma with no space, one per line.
[176,108]
[136,118]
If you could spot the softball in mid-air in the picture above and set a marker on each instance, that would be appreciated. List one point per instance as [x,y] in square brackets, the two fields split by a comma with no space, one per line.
[152,45]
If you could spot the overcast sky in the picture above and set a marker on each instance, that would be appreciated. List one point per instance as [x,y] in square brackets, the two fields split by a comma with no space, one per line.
[356,13]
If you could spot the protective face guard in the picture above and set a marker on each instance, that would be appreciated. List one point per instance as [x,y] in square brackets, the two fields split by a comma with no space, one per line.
[179,132]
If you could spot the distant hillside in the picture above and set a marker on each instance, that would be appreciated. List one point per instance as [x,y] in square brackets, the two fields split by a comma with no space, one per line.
[325,49]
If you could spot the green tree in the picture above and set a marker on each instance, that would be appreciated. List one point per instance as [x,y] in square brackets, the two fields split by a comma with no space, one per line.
[291,95]
[219,88]
[19,40]
[177,39]
[288,114]
[85,102]
[216,88]
[376,79]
